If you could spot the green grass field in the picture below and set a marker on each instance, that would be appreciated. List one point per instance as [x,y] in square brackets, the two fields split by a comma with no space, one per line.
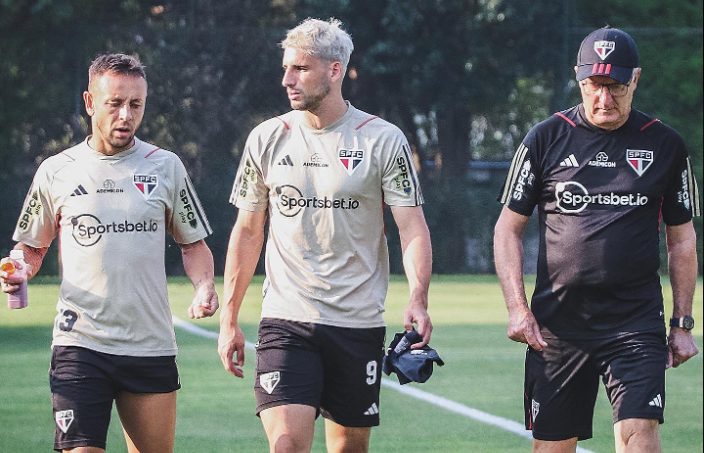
[484,370]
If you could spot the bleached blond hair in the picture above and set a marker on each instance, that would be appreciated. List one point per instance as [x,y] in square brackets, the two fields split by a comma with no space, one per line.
[321,39]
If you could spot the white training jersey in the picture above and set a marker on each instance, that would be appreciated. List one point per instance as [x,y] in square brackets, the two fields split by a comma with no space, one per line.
[111,214]
[326,255]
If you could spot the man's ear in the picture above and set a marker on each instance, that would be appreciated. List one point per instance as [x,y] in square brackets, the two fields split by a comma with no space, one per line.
[88,100]
[336,70]
[635,78]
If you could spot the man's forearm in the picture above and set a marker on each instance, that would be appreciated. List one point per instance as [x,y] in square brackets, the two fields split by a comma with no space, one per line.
[418,265]
[508,258]
[682,263]
[416,249]
[34,257]
[198,263]
[243,252]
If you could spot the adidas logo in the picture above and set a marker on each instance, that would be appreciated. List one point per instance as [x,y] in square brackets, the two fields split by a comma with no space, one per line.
[571,161]
[656,402]
[286,161]
[80,190]
[373,410]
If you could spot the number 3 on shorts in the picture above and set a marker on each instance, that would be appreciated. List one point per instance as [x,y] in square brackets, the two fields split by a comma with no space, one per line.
[371,372]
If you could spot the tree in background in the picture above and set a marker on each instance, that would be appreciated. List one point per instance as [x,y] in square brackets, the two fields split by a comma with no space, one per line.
[464,79]
[669,37]
[212,68]
[434,68]
[46,48]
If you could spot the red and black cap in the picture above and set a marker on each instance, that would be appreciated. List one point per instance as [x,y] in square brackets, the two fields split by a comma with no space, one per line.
[607,52]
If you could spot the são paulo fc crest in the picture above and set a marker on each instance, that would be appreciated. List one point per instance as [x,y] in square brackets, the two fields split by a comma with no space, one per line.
[350,159]
[64,419]
[639,160]
[534,409]
[268,381]
[604,48]
[146,184]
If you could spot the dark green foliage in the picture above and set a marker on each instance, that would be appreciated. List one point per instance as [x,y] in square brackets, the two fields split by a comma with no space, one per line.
[464,79]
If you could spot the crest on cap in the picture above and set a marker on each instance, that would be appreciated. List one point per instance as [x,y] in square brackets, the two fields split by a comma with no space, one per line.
[607,52]
[604,48]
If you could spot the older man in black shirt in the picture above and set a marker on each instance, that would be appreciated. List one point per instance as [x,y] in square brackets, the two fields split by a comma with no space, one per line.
[602,175]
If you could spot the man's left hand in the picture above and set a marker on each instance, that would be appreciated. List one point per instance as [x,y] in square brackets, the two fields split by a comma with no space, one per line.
[681,347]
[205,302]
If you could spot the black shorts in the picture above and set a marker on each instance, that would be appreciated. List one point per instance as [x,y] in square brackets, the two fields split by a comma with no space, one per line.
[562,381]
[337,370]
[84,383]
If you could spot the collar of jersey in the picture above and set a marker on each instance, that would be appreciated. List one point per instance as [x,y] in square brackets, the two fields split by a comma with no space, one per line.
[118,156]
[332,126]
[585,122]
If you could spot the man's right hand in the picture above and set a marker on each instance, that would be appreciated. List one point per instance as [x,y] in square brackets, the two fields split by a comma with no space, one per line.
[523,328]
[10,280]
[231,349]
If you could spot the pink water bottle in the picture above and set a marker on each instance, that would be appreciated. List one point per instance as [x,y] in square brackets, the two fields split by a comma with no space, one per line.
[19,298]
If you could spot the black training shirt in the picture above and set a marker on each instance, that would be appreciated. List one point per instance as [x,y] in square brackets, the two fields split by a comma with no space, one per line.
[600,196]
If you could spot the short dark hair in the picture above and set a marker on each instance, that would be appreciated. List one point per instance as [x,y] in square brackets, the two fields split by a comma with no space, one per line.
[118,63]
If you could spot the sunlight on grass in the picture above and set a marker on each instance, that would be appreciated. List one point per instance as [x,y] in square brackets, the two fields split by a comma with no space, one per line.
[484,370]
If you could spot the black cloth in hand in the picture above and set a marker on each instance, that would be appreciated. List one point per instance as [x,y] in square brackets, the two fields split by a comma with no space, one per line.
[410,365]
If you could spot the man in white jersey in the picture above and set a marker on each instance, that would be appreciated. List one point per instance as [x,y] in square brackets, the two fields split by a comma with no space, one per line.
[110,200]
[321,174]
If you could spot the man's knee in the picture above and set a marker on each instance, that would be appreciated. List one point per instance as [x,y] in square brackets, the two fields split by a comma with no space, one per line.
[555,446]
[287,443]
[289,428]
[340,439]
[347,445]
[633,426]
[636,434]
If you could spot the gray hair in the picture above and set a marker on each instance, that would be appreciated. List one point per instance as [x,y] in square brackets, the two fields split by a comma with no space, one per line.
[118,63]
[324,40]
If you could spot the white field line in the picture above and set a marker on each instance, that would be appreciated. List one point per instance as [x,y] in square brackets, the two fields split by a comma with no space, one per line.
[444,403]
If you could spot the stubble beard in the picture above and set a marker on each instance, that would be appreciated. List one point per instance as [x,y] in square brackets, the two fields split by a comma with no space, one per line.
[121,144]
[312,103]
[117,144]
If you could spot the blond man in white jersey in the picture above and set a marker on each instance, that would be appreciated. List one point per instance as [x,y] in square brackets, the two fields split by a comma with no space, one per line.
[320,175]
[110,200]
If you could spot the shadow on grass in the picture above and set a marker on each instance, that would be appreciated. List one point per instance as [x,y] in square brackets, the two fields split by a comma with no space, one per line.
[24,339]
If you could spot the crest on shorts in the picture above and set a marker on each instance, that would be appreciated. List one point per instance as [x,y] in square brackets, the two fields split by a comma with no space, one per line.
[534,408]
[146,184]
[269,381]
[604,48]
[64,419]
[639,160]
